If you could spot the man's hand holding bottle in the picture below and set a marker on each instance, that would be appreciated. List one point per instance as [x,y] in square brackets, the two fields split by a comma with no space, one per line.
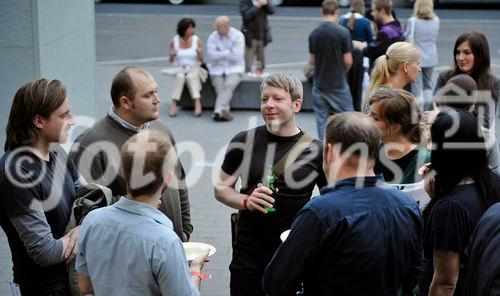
[261,200]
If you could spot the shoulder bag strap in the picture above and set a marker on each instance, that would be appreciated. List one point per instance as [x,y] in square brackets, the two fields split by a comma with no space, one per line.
[290,157]
[292,154]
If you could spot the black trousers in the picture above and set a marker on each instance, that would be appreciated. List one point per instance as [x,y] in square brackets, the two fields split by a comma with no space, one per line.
[355,79]
[247,268]
[61,289]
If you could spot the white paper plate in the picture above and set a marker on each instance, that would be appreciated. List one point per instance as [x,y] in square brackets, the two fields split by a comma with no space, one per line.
[417,191]
[194,250]
[284,235]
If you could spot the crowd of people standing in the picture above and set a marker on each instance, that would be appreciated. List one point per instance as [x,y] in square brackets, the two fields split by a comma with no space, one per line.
[363,235]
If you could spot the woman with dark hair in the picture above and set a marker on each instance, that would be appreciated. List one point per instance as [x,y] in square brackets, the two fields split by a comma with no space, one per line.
[464,187]
[472,57]
[186,53]
[38,185]
[460,92]
[404,137]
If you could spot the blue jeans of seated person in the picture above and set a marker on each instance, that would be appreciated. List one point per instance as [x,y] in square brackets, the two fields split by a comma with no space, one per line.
[326,103]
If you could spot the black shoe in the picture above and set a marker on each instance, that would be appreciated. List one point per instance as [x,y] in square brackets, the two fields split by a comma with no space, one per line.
[217,117]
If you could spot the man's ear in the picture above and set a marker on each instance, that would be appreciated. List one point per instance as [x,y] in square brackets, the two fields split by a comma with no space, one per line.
[38,121]
[330,153]
[125,102]
[297,105]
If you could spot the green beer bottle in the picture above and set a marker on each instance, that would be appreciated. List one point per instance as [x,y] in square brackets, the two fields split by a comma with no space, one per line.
[269,182]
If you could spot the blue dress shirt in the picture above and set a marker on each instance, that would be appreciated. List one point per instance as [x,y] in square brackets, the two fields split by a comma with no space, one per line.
[130,248]
[355,239]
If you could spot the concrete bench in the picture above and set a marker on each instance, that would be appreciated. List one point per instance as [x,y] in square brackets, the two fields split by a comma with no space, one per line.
[245,97]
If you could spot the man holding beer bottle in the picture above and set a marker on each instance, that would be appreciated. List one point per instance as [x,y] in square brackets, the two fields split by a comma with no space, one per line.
[278,166]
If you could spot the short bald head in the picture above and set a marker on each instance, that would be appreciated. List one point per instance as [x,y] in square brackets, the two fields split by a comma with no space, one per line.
[222,25]
[124,83]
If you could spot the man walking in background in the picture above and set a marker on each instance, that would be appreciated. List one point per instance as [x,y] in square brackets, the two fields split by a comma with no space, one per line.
[330,55]
[389,31]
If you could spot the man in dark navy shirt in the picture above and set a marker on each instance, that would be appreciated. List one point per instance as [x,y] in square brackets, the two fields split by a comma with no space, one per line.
[361,236]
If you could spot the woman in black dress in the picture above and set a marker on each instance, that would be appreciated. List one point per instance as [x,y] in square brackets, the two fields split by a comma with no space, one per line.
[464,187]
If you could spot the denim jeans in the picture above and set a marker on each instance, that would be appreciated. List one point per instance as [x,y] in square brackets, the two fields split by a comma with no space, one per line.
[326,103]
[422,88]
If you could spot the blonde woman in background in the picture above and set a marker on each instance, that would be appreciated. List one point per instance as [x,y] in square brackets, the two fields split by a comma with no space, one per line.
[395,69]
[422,30]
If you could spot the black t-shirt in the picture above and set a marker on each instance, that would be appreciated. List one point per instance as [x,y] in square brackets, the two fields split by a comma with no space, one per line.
[329,42]
[35,181]
[246,158]
[449,227]
[407,166]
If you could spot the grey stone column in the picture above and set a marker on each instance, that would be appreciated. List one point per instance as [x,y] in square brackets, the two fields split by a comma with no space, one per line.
[54,39]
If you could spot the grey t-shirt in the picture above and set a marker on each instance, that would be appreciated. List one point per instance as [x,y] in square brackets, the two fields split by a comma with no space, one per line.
[329,42]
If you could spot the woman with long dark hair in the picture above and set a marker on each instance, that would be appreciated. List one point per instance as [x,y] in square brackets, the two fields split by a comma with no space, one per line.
[472,57]
[464,187]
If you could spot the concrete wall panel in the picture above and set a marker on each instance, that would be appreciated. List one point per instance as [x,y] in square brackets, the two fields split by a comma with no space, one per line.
[48,38]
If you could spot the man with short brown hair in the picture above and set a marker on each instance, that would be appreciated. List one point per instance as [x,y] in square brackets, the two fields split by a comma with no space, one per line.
[360,236]
[330,55]
[389,31]
[130,247]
